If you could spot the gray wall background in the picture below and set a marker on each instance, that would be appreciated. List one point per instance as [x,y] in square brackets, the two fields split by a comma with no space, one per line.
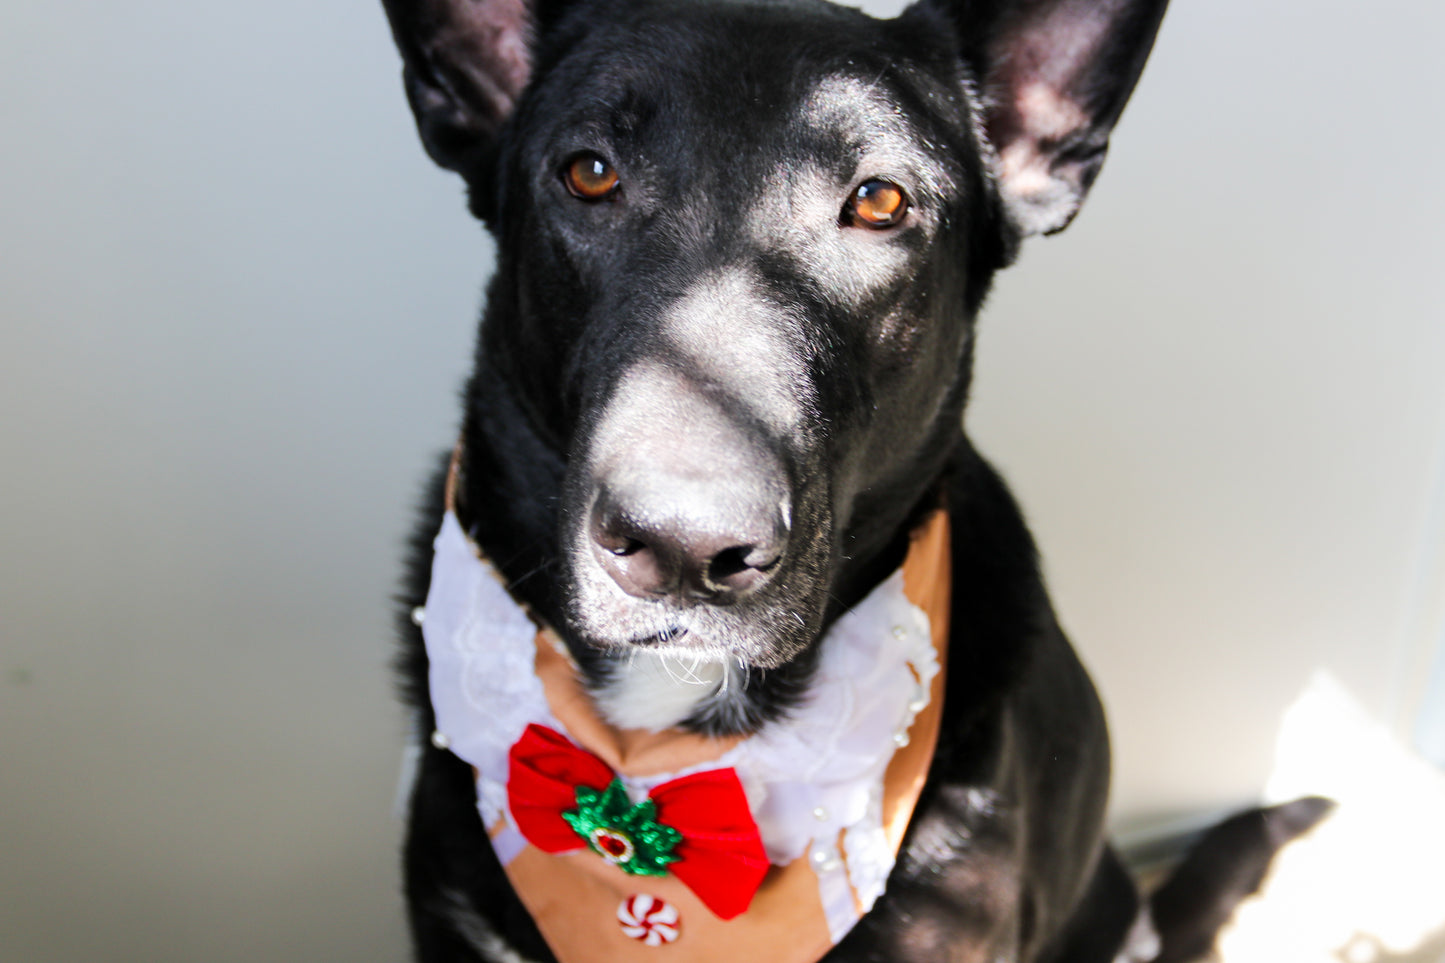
[236,304]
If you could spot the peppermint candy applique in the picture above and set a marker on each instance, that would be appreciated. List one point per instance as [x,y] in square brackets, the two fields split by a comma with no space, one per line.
[649,920]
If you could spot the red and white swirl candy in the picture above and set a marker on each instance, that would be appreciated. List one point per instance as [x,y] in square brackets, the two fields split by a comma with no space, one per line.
[648,919]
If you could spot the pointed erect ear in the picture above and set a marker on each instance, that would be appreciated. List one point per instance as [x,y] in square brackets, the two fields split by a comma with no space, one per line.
[1055,76]
[465,63]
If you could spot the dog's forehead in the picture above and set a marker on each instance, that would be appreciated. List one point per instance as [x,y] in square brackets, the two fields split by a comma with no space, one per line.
[813,81]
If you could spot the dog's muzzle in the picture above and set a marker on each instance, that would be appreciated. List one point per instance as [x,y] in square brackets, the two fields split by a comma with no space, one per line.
[665,530]
[685,524]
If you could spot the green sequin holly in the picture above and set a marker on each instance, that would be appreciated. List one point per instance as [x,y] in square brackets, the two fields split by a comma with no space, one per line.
[625,835]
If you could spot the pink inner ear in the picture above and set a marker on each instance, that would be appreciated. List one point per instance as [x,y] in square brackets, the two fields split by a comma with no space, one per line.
[1040,116]
[486,42]
[1035,117]
[503,29]
[1061,71]
[1041,70]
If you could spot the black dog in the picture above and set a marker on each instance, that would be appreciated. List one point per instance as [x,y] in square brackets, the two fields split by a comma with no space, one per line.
[720,381]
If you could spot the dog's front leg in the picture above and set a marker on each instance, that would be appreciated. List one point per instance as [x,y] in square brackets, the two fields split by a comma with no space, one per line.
[954,896]
[461,907]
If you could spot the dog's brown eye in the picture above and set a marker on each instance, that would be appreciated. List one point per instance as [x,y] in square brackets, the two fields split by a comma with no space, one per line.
[590,177]
[876,203]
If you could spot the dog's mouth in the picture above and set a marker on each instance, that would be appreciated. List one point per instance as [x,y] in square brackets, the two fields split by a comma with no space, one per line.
[673,634]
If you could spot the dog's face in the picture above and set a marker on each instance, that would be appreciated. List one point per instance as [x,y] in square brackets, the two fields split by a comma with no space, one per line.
[742,246]
[743,266]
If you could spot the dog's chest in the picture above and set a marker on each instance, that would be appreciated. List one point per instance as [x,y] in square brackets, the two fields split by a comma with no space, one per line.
[618,841]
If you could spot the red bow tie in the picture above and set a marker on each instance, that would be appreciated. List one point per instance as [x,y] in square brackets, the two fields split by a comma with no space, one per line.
[698,828]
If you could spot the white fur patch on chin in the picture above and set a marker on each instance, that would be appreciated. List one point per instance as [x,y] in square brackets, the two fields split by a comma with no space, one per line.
[656,691]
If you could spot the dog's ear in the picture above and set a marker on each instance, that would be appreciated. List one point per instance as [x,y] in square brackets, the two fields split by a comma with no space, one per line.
[465,63]
[1055,75]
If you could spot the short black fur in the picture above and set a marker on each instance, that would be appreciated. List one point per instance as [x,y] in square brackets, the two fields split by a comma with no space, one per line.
[739,130]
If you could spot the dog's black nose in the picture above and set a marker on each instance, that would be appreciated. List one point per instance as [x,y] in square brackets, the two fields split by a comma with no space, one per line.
[711,546]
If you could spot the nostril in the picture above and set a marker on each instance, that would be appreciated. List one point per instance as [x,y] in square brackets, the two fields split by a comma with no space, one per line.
[729,562]
[739,569]
[621,545]
[612,532]
[641,572]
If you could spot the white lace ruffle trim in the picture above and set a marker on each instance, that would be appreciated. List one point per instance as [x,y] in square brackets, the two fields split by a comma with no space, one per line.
[809,782]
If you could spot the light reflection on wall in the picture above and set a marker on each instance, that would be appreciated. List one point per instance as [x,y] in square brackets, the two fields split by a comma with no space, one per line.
[1368,885]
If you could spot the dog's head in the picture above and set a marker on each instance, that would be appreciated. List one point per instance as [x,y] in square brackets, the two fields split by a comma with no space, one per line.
[741,249]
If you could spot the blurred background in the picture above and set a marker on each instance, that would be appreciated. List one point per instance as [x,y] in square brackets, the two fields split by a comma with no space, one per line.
[236,302]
